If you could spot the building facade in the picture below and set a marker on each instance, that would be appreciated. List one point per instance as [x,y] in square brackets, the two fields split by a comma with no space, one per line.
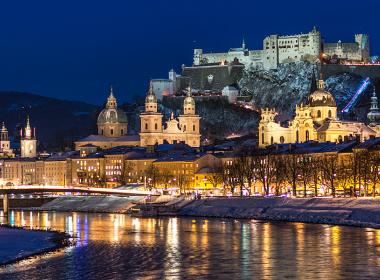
[184,129]
[315,121]
[112,126]
[279,49]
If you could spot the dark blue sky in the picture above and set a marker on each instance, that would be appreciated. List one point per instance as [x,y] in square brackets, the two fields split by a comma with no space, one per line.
[75,49]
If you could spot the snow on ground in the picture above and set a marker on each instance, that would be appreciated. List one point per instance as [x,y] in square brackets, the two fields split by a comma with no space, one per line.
[17,243]
[109,204]
[341,211]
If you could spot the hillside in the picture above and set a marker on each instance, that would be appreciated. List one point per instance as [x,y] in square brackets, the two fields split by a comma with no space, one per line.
[219,118]
[58,122]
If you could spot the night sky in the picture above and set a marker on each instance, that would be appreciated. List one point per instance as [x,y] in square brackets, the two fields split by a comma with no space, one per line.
[76,49]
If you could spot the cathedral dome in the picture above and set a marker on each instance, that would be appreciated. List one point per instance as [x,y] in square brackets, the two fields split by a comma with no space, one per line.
[112,115]
[321,98]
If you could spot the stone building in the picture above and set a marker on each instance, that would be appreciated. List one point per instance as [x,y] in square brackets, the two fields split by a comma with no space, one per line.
[184,129]
[112,128]
[356,51]
[278,49]
[315,121]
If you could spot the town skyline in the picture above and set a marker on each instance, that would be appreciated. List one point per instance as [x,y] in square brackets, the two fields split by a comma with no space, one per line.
[62,56]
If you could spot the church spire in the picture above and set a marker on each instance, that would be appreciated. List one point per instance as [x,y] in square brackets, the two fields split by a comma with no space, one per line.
[243,44]
[111,100]
[321,83]
[374,113]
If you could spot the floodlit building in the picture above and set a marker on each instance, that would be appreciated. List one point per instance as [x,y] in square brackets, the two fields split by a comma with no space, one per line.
[112,128]
[28,141]
[5,143]
[315,121]
[184,129]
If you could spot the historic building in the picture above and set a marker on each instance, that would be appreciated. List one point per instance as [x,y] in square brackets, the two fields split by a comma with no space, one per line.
[5,143]
[184,129]
[315,121]
[279,49]
[356,51]
[112,129]
[28,141]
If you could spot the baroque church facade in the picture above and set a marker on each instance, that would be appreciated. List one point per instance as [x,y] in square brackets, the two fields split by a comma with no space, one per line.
[315,121]
[113,126]
[184,129]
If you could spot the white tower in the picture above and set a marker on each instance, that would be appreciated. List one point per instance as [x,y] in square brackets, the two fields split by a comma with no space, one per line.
[150,121]
[190,122]
[374,113]
[5,144]
[28,141]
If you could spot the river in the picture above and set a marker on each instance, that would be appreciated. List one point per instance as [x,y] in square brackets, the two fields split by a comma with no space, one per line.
[117,246]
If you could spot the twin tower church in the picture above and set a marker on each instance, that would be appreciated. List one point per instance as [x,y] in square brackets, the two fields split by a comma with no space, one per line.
[113,126]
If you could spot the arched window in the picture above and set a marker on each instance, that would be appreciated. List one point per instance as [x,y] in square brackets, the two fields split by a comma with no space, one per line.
[155,126]
[262,138]
[193,127]
[184,128]
[329,114]
[297,136]
[102,132]
[271,140]
[319,114]
[122,131]
[111,131]
[146,126]
[282,140]
[307,135]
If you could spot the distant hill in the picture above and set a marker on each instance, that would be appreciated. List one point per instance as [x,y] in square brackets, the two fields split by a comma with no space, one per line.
[58,122]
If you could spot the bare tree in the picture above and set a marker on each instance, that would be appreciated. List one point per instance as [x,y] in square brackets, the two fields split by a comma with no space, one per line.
[305,172]
[265,171]
[153,176]
[329,166]
[292,170]
[279,172]
[315,170]
[215,177]
[229,180]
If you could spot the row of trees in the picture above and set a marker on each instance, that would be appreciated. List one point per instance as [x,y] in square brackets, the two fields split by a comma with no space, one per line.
[353,174]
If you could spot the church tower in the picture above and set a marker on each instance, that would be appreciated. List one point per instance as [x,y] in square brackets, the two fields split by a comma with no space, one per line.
[5,143]
[374,113]
[150,121]
[28,141]
[190,122]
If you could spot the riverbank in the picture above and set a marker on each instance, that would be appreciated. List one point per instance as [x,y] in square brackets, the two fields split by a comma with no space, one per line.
[90,204]
[18,243]
[363,212]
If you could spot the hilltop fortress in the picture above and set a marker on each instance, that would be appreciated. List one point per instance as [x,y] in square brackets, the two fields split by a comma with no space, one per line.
[289,48]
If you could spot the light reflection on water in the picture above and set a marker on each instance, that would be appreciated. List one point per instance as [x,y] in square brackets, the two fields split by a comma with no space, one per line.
[117,246]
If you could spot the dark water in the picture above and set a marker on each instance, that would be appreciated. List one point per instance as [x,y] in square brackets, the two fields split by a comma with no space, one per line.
[113,246]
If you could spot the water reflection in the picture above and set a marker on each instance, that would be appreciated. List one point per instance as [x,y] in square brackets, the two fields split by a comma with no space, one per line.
[116,246]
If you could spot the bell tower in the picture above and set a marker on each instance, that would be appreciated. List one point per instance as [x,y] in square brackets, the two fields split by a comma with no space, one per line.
[150,121]
[5,143]
[28,141]
[189,121]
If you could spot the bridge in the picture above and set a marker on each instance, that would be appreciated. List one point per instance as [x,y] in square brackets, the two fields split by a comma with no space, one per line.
[6,190]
